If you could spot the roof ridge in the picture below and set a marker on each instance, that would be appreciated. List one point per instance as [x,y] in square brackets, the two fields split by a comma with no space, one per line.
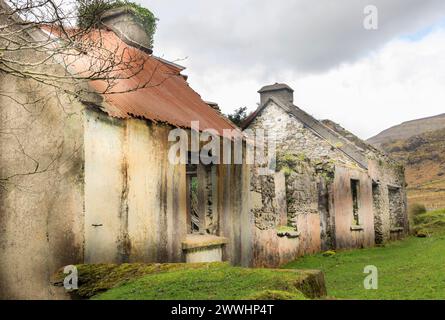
[168,99]
[312,123]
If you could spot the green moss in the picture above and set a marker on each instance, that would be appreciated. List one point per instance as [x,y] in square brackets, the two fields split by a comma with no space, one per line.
[326,170]
[219,281]
[287,162]
[422,233]
[276,295]
[287,171]
[329,253]
[89,12]
[97,278]
[338,144]
[285,229]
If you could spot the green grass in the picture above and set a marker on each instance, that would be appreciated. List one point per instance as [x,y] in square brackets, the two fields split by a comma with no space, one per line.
[217,281]
[413,268]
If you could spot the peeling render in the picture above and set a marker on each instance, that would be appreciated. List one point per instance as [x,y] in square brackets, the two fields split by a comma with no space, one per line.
[321,167]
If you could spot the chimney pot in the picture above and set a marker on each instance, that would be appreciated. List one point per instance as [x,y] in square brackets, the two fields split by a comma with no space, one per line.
[124,23]
[281,91]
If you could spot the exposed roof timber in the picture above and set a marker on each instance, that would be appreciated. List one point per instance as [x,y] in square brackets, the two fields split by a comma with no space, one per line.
[171,63]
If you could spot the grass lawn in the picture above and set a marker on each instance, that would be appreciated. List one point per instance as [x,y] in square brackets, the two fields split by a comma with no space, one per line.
[413,268]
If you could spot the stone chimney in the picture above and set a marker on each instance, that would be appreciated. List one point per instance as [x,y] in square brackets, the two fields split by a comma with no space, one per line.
[125,24]
[280,91]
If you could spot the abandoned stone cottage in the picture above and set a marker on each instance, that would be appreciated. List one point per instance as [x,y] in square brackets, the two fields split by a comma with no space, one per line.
[110,194]
[330,189]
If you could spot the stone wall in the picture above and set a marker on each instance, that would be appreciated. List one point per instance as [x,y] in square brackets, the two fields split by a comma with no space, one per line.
[319,201]
[293,137]
[305,164]
[386,175]
[395,207]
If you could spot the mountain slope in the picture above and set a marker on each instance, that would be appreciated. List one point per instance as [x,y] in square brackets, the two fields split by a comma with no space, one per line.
[424,158]
[408,129]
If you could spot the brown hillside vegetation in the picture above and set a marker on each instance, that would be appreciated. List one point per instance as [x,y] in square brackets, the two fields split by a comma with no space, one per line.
[424,159]
[409,129]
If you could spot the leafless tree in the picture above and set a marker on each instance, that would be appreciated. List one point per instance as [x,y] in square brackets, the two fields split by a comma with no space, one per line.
[41,42]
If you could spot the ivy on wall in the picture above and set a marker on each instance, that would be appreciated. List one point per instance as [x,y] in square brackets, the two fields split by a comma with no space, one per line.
[89,12]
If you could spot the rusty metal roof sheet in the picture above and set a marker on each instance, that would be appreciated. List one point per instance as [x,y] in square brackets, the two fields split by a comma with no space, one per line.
[167,98]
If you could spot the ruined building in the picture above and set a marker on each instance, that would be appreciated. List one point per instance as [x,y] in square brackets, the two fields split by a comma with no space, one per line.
[329,190]
[88,179]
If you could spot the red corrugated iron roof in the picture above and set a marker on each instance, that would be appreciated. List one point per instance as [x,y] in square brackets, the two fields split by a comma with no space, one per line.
[167,98]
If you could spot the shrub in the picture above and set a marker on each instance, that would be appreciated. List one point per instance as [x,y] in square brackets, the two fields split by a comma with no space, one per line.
[416,209]
[89,12]
[329,253]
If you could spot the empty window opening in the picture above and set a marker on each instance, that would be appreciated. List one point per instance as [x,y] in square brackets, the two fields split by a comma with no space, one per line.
[395,207]
[377,207]
[355,190]
[201,198]
[192,199]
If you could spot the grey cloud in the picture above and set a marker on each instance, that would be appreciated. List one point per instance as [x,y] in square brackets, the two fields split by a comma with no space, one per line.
[304,36]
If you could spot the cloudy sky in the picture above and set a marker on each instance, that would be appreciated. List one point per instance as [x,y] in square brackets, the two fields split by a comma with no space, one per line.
[366,80]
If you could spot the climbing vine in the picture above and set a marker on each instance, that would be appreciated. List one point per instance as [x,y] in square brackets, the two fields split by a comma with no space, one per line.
[89,12]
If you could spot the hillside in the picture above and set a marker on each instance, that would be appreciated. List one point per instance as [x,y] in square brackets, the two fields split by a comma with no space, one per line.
[408,129]
[424,159]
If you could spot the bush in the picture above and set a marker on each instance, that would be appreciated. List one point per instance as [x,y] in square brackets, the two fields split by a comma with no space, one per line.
[416,209]
[89,12]
[329,253]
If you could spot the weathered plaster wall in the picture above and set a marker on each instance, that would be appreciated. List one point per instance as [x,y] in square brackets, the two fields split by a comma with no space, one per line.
[386,174]
[135,201]
[343,209]
[41,207]
[233,212]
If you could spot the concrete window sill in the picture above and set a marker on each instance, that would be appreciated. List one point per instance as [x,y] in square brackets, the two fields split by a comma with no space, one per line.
[356,228]
[198,241]
[398,229]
